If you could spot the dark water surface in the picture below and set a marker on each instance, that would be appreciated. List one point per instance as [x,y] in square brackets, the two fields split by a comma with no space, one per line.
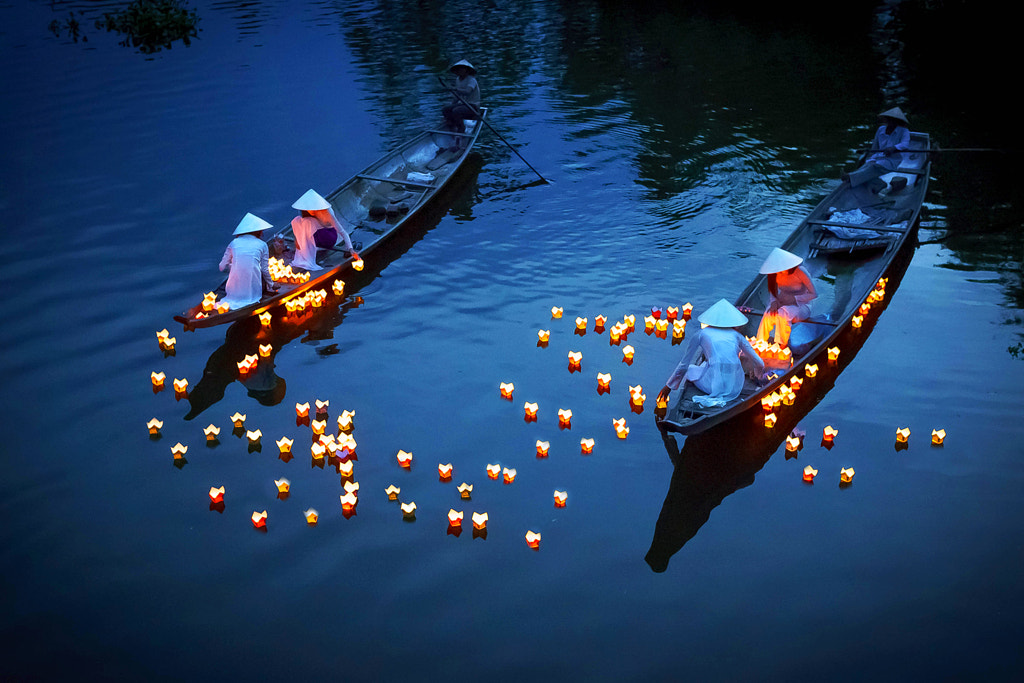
[684,143]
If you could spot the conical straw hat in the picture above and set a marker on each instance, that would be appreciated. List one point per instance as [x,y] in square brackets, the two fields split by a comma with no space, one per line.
[895,113]
[311,201]
[250,223]
[780,260]
[463,62]
[723,314]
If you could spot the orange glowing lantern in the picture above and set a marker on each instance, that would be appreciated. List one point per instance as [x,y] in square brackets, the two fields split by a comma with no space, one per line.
[810,473]
[637,395]
[687,310]
[455,517]
[506,389]
[564,417]
[465,491]
[347,443]
[283,485]
[857,320]
[318,426]
[352,487]
[615,334]
[833,354]
[409,511]
[318,450]
[217,494]
[404,459]
[322,406]
[903,434]
[178,450]
[621,430]
[829,433]
[542,448]
[161,335]
[509,475]
[938,436]
[531,410]
[211,432]
[533,539]
[392,492]
[556,312]
[792,443]
[656,313]
[543,336]
[599,322]
[265,319]
[238,419]
[846,475]
[266,350]
[284,444]
[586,446]
[627,352]
[346,420]
[312,516]
[788,397]
[560,498]
[661,326]
[770,419]
[604,380]
[581,324]
[254,436]
[649,322]
[259,519]
[349,501]
[167,344]
[357,264]
[154,426]
[575,358]
[302,409]
[158,379]
[810,370]
[444,470]
[795,383]
[672,312]
[479,520]
[678,329]
[223,307]
[346,468]
[864,309]
[662,402]
[180,386]
[493,471]
[338,287]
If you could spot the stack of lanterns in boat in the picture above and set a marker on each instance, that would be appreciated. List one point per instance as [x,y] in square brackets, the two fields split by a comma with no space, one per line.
[281,272]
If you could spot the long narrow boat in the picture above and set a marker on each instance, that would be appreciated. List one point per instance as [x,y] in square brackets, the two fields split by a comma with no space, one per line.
[848,242]
[377,201]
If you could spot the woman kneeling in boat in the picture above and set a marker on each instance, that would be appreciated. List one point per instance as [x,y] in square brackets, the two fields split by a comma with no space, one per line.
[248,259]
[727,354]
[316,226]
[792,292]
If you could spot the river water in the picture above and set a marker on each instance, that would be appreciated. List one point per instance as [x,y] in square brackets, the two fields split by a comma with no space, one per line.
[683,142]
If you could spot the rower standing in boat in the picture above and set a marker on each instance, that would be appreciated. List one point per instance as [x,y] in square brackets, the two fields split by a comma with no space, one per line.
[727,353]
[792,292]
[316,226]
[248,259]
[466,88]
[891,139]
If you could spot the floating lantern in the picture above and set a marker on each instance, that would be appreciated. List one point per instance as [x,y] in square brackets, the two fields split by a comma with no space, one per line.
[662,402]
[178,450]
[788,397]
[266,350]
[661,327]
[615,334]
[829,433]
[217,494]
[338,287]
[493,471]
[627,353]
[531,410]
[938,436]
[560,498]
[770,419]
[687,310]
[903,434]
[581,324]
[322,406]
[254,436]
[352,487]
[604,380]
[357,264]
[556,312]
[766,404]
[795,383]
[302,409]
[509,475]
[318,450]
[672,312]
[223,307]
[833,354]
[346,420]
[259,519]
[283,485]
[409,511]
[621,430]
[248,364]
[154,426]
[846,475]
[637,395]
[444,471]
[542,448]
[161,335]
[506,389]
[455,517]
[158,379]
[265,319]
[649,322]
[678,329]
[312,516]
[349,501]
[479,520]
[346,468]
[180,386]
[543,336]
[465,491]
[656,313]
[564,417]
[586,446]
[392,492]
[810,473]
[348,444]
[792,443]
[575,358]
[318,426]
[857,320]
[404,459]
[167,343]
[533,539]
[284,444]
[238,419]
[209,301]
[599,321]
[810,370]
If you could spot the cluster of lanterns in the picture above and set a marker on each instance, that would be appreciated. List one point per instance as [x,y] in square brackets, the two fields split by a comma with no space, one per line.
[305,301]
[281,272]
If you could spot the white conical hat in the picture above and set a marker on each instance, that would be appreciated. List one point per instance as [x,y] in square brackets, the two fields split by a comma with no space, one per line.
[895,113]
[463,62]
[780,260]
[311,201]
[251,223]
[723,314]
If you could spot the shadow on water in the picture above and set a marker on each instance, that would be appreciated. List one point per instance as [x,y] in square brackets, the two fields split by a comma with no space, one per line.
[244,337]
[716,463]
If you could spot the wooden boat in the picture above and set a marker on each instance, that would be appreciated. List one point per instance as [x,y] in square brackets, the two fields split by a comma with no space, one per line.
[378,202]
[848,242]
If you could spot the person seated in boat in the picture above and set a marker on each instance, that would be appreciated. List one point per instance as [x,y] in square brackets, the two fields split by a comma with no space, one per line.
[247,261]
[791,293]
[886,154]
[466,97]
[316,226]
[728,356]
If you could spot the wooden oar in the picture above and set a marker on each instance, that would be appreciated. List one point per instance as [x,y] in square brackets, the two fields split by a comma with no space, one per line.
[491,128]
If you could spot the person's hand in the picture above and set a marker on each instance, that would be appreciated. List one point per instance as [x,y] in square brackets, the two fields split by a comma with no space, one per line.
[773,307]
[663,394]
[355,255]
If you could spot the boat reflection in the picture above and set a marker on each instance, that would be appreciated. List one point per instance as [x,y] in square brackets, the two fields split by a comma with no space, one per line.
[244,337]
[715,463]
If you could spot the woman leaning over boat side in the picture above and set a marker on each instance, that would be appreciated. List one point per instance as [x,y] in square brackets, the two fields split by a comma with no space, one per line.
[316,226]
[466,104]
[891,139]
[791,291]
[247,259]
[727,356]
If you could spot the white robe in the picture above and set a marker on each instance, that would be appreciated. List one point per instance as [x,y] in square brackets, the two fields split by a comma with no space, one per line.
[727,354]
[249,260]
[303,228]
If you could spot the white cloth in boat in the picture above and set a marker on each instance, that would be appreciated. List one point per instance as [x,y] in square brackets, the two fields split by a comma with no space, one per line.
[248,258]
[794,297]
[727,354]
[304,227]
[858,217]
[898,138]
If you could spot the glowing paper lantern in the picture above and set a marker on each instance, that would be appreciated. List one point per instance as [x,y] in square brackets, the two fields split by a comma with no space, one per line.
[254,436]
[586,446]
[506,389]
[312,516]
[649,322]
[284,444]
[238,419]
[810,370]
[575,358]
[223,307]
[392,492]
[531,410]
[581,324]
[346,420]
[158,379]
[661,326]
[346,468]
[599,322]
[621,430]
[465,491]
[857,320]
[168,343]
[560,498]
[543,336]
[833,354]
[409,511]
[533,539]
[864,309]
[661,402]
[444,470]
[604,379]
[493,471]
[509,475]
[792,443]
[542,448]
[687,310]
[318,450]
[479,520]
[846,475]
[217,494]
[259,519]
[795,383]
[180,386]
[678,329]
[788,397]
[352,487]
[302,409]
[338,287]
[322,406]
[178,450]
[265,319]
[556,312]
[318,426]
[615,334]
[154,426]
[810,473]
[938,436]
[637,395]
[357,264]
[348,501]
[283,485]
[672,312]
[564,417]
[770,419]
[627,353]
[903,434]
[829,433]
[404,459]
[455,517]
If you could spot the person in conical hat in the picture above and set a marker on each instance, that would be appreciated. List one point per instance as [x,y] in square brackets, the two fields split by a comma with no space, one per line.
[886,154]
[247,259]
[316,226]
[465,104]
[724,354]
[790,292]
